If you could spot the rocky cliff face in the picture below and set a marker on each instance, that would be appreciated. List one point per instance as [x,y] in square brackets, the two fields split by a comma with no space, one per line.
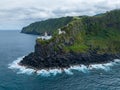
[87,40]
[45,56]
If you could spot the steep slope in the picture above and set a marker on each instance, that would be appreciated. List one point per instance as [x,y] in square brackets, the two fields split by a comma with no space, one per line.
[101,33]
[49,25]
[88,40]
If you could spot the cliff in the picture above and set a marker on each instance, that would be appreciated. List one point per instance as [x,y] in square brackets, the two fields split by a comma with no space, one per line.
[49,25]
[87,40]
[46,57]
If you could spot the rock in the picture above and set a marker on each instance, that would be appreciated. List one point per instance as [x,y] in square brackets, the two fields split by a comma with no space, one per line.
[45,56]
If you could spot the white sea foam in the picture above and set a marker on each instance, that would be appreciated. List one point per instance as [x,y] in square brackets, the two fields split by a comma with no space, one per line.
[68,71]
[82,68]
[44,72]
[21,69]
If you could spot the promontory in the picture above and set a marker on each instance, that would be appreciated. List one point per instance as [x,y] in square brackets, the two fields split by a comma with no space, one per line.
[74,41]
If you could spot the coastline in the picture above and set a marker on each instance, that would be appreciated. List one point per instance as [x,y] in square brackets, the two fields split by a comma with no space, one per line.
[54,71]
[83,41]
[35,61]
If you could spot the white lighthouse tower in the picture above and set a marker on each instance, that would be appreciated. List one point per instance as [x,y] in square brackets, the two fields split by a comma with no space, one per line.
[45,37]
[46,34]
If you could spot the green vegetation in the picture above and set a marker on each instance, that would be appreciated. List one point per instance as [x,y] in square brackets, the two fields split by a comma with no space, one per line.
[77,48]
[103,32]
[49,25]
[100,32]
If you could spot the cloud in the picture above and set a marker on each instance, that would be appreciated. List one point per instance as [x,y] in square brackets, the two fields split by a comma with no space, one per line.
[15,14]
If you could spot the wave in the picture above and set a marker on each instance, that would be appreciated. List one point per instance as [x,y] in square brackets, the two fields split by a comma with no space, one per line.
[21,69]
[43,72]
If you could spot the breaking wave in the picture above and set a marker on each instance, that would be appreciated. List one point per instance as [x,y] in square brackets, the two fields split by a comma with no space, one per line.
[43,72]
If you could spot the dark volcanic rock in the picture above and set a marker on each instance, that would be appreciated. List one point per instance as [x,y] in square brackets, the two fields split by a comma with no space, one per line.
[46,57]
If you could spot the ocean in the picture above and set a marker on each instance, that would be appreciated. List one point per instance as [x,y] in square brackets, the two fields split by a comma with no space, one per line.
[15,45]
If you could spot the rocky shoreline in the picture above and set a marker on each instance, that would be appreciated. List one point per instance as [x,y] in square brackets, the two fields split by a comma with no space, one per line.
[86,40]
[45,58]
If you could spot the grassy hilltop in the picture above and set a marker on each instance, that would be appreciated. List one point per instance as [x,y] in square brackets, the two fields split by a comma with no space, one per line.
[83,33]
[100,33]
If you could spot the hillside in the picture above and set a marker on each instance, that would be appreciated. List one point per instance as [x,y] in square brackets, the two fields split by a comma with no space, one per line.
[87,40]
[49,25]
[101,33]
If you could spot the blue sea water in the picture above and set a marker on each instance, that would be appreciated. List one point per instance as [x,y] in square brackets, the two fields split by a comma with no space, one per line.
[14,44]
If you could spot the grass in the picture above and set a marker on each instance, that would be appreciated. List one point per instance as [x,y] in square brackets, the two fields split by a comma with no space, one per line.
[77,48]
[92,35]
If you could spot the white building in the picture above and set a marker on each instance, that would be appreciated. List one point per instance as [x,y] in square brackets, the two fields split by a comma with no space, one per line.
[45,37]
[46,34]
[60,32]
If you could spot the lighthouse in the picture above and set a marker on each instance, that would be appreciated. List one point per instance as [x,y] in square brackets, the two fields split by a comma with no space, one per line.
[46,34]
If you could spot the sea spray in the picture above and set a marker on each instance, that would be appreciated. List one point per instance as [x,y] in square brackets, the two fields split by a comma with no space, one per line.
[44,72]
[48,72]
[21,69]
[68,71]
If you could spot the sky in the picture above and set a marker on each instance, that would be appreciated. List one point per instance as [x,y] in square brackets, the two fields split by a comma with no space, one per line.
[15,14]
